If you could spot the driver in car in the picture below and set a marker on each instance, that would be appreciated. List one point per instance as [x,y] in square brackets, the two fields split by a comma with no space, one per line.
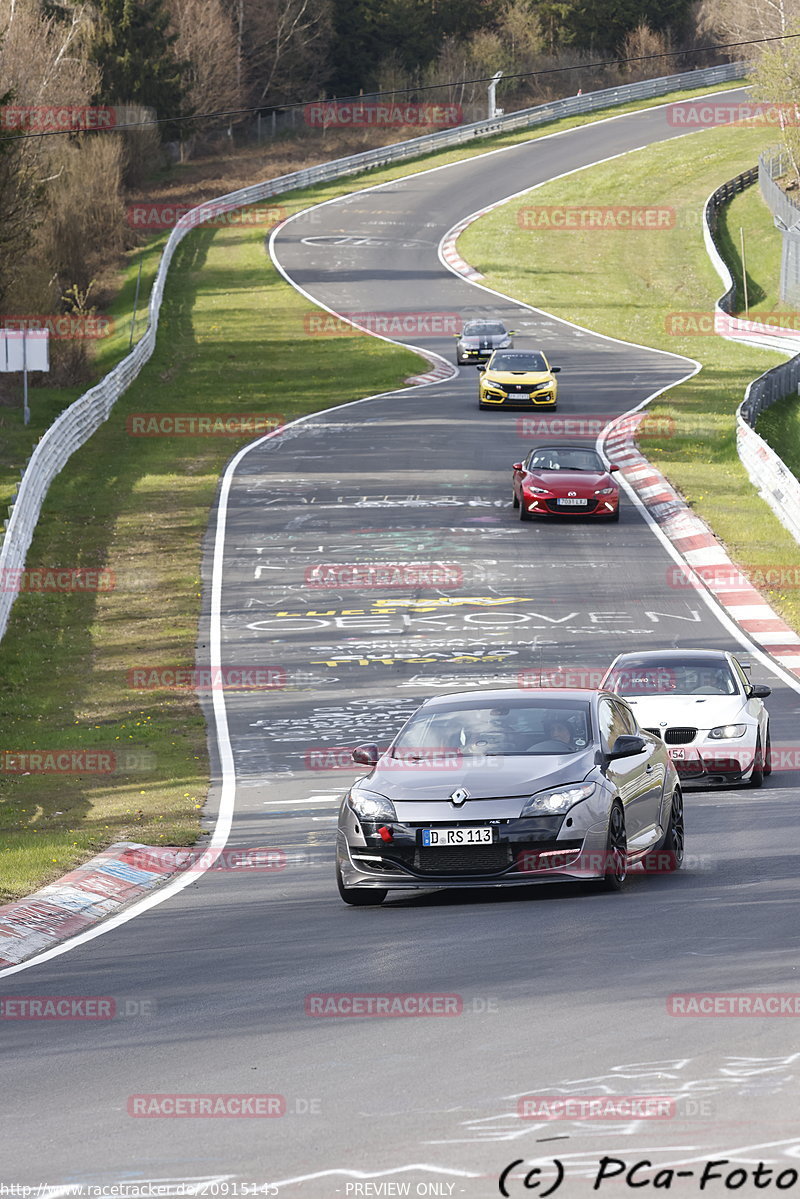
[558,737]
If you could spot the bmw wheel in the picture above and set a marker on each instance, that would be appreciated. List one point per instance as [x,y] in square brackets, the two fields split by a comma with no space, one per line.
[757,775]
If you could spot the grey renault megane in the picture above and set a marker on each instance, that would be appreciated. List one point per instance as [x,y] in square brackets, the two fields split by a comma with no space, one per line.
[507,788]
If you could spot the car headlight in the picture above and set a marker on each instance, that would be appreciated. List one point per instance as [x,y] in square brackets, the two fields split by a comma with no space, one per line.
[605,491]
[726,732]
[492,386]
[368,805]
[557,799]
[539,491]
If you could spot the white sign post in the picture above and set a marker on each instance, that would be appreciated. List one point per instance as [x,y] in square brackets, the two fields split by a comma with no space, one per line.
[24,350]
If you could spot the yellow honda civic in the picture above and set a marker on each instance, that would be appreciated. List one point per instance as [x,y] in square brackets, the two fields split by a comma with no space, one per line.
[518,379]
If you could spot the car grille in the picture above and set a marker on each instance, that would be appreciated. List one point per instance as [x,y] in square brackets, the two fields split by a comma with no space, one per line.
[655,732]
[554,506]
[467,859]
[679,736]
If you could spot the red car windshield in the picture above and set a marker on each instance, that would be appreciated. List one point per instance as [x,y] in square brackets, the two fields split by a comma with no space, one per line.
[565,459]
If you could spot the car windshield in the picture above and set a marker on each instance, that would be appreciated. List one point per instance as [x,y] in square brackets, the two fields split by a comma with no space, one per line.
[698,676]
[565,458]
[483,329]
[504,728]
[517,360]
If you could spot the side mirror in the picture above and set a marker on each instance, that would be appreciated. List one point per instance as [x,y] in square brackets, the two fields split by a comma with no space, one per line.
[481,368]
[554,370]
[512,333]
[612,468]
[365,755]
[517,466]
[759,691]
[626,746]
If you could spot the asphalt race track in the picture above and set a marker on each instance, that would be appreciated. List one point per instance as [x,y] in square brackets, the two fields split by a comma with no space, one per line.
[561,992]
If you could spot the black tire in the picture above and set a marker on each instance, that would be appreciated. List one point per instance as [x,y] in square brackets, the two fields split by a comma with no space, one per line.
[614,517]
[368,898]
[524,514]
[482,406]
[514,500]
[671,851]
[757,776]
[616,865]
[768,756]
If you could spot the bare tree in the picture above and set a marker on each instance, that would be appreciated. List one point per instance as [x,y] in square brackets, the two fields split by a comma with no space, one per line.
[282,47]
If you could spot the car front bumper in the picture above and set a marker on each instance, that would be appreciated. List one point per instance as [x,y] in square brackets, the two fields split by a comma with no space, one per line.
[581,863]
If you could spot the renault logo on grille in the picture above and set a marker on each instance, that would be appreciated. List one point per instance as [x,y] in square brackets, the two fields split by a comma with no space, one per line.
[459,796]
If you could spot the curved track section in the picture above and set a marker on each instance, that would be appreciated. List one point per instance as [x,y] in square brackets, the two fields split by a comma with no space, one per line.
[560,993]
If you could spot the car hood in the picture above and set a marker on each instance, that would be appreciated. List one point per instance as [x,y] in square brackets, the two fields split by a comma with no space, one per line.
[694,711]
[486,777]
[518,377]
[582,481]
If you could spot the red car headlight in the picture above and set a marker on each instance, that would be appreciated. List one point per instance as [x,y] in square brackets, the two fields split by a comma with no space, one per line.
[606,491]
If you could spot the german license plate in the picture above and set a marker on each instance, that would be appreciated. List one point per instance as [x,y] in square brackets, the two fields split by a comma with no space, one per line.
[677,752]
[457,836]
[572,503]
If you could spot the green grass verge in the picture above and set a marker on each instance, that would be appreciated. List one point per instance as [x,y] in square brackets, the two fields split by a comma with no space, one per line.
[231,338]
[629,285]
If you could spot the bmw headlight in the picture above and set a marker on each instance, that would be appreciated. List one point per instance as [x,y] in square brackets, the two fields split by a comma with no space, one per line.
[557,799]
[726,732]
[368,805]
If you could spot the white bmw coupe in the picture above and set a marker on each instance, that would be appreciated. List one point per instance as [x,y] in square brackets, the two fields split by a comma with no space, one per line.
[703,706]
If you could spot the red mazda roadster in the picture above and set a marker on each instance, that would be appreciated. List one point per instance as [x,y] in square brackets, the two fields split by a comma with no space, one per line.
[565,480]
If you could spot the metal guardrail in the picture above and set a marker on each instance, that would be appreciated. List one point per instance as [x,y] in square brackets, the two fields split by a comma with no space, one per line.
[767,472]
[77,423]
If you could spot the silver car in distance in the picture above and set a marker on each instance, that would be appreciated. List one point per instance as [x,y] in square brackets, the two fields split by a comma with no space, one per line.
[506,788]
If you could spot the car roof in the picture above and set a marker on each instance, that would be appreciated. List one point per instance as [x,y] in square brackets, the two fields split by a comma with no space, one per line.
[500,694]
[674,655]
[564,445]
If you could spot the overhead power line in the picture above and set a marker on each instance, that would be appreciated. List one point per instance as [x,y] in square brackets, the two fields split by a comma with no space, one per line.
[253,110]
